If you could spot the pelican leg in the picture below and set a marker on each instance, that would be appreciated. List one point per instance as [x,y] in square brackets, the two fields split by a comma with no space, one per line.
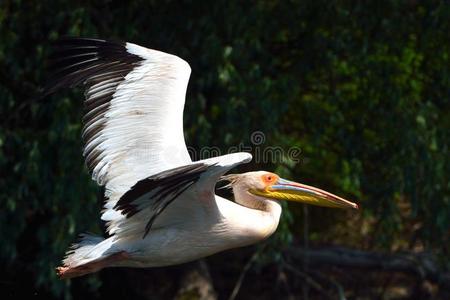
[65,272]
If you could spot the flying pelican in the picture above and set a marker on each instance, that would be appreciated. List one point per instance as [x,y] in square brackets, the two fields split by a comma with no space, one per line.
[160,206]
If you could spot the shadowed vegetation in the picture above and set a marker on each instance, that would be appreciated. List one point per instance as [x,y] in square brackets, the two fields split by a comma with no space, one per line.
[362,89]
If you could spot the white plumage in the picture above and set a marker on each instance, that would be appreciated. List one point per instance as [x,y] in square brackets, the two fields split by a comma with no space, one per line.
[143,132]
[161,208]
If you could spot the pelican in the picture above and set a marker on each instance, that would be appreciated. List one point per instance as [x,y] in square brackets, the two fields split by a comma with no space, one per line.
[160,206]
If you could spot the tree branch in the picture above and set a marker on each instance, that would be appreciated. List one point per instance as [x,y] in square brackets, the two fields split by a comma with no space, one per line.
[422,265]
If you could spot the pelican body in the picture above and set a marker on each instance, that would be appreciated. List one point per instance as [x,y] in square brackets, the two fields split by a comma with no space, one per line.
[161,208]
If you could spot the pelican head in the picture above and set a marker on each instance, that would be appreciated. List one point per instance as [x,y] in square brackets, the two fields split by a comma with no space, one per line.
[270,186]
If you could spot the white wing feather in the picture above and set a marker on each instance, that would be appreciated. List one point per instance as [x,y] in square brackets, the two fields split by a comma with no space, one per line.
[133,126]
[144,128]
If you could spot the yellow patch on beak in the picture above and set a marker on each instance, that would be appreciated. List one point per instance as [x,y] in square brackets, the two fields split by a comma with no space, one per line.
[292,191]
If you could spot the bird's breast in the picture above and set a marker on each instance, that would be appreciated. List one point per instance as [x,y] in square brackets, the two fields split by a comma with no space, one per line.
[164,247]
[229,226]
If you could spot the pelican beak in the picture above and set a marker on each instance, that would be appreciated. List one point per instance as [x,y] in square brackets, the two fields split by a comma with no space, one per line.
[288,190]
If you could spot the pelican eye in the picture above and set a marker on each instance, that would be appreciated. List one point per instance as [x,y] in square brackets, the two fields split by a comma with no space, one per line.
[269,178]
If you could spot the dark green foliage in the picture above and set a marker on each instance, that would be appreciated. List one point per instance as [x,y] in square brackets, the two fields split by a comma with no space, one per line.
[362,89]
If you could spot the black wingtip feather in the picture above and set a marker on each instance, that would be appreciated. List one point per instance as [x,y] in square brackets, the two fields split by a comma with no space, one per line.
[87,61]
[74,60]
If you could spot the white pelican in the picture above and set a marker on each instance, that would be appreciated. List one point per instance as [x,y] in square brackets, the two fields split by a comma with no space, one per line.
[161,208]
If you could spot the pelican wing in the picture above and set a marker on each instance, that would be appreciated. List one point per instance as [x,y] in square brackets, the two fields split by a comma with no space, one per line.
[134,100]
[160,200]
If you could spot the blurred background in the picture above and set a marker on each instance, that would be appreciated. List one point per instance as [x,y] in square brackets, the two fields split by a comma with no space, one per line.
[362,90]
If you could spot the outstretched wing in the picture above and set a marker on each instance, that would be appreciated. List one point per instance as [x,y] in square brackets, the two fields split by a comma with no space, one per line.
[179,194]
[133,122]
